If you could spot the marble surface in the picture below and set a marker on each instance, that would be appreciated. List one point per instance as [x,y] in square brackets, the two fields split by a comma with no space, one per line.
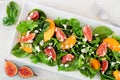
[102,10]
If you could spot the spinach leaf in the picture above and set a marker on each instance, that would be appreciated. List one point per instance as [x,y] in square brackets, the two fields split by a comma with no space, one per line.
[8,21]
[103,31]
[25,26]
[16,51]
[76,28]
[116,37]
[34,58]
[12,13]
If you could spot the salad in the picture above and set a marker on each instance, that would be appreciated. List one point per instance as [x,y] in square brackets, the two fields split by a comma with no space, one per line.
[69,45]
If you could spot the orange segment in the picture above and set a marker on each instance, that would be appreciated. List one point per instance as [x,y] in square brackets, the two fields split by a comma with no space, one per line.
[26,47]
[116,74]
[69,42]
[50,32]
[112,43]
[95,64]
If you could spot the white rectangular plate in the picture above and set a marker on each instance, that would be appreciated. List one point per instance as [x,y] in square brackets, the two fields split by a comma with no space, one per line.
[53,14]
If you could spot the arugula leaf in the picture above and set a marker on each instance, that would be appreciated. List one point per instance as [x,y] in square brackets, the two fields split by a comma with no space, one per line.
[12,13]
[103,31]
[39,38]
[24,26]
[16,51]
[106,77]
[44,59]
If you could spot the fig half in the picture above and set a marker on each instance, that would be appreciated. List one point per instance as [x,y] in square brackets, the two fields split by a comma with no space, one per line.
[26,72]
[10,68]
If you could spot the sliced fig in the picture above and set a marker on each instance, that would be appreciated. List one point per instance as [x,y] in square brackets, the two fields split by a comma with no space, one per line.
[104,66]
[26,72]
[50,52]
[102,50]
[87,32]
[28,37]
[60,34]
[33,15]
[10,68]
[67,58]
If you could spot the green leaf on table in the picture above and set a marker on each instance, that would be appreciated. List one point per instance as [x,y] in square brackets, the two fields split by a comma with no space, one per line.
[12,13]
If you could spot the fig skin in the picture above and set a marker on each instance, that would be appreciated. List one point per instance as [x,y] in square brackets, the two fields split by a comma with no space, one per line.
[10,68]
[26,72]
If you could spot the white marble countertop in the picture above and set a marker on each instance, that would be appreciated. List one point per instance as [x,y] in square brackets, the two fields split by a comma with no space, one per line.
[108,10]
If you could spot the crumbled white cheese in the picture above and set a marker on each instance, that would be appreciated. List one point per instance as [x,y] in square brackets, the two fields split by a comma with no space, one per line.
[113,63]
[97,45]
[65,26]
[83,46]
[36,31]
[49,47]
[30,41]
[83,68]
[41,43]
[40,29]
[92,52]
[61,64]
[37,49]
[28,18]
[66,65]
[50,57]
[84,40]
[79,42]
[96,35]
[83,50]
